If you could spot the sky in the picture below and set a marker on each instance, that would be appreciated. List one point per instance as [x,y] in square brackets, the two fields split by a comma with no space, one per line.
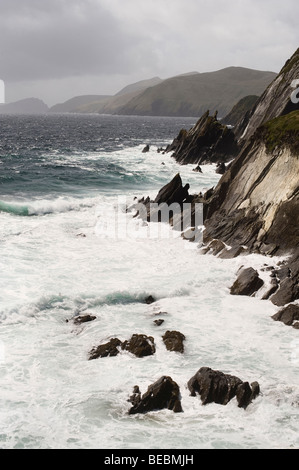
[57,49]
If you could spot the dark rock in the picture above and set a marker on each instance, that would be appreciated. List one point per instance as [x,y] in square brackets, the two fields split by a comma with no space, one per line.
[207,142]
[135,398]
[173,192]
[287,315]
[146,149]
[140,345]
[163,394]
[217,387]
[289,282]
[247,283]
[197,169]
[112,348]
[150,300]
[78,320]
[174,341]
[159,322]
[221,168]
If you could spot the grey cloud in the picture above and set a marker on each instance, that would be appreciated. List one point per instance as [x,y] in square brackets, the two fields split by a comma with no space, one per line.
[68,38]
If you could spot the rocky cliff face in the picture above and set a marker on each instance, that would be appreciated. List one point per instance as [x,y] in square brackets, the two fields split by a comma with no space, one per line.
[274,102]
[256,203]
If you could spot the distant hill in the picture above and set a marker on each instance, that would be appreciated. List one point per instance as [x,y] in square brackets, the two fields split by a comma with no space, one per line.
[140,86]
[105,104]
[71,105]
[190,94]
[193,94]
[25,106]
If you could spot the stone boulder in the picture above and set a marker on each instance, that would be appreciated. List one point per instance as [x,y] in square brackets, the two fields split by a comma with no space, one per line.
[217,387]
[247,283]
[288,315]
[163,394]
[140,345]
[112,348]
[174,341]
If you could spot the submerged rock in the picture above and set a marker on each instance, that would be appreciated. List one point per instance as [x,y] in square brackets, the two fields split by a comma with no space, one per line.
[217,387]
[150,300]
[163,394]
[78,320]
[247,283]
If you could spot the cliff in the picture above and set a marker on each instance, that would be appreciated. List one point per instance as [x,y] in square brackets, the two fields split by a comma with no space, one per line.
[255,206]
[274,102]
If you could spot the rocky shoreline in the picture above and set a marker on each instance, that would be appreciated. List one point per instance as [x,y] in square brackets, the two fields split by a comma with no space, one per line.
[253,209]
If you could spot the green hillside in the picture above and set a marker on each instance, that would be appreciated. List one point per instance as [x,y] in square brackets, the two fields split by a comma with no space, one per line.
[192,95]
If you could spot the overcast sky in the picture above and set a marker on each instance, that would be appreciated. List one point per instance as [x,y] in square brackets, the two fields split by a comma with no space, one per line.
[57,49]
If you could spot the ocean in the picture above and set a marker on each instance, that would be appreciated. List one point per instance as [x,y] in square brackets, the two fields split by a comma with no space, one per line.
[62,180]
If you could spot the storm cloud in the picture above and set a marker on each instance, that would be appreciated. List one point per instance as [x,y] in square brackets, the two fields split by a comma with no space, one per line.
[98,46]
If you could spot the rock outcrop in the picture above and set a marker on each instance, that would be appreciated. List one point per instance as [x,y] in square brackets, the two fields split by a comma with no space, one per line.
[207,142]
[110,349]
[174,341]
[217,387]
[163,394]
[140,345]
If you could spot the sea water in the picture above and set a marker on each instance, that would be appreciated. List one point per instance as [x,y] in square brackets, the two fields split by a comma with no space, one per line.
[61,179]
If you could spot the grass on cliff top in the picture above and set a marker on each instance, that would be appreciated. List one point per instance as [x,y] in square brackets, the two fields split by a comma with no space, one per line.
[282,131]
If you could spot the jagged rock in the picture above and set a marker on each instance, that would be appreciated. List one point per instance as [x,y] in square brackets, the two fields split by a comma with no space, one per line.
[207,142]
[78,320]
[288,315]
[197,169]
[217,387]
[167,207]
[146,149]
[140,345]
[159,322]
[173,192]
[174,341]
[247,283]
[112,348]
[164,393]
